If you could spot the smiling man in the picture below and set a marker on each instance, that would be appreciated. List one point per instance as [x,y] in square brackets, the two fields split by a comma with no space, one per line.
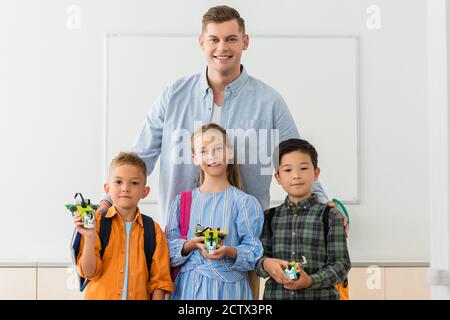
[223,44]
[224,94]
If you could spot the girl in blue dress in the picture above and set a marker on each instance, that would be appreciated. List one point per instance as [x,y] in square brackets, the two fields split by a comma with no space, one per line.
[217,203]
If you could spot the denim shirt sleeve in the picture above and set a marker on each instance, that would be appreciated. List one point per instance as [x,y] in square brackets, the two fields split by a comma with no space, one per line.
[173,235]
[148,142]
[250,219]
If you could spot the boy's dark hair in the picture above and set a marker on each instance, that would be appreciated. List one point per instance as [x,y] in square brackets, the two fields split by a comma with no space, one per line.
[221,14]
[292,145]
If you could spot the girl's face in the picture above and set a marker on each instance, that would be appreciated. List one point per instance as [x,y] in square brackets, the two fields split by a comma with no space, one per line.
[211,153]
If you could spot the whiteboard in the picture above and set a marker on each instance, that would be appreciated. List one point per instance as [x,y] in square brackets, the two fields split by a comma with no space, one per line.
[317,77]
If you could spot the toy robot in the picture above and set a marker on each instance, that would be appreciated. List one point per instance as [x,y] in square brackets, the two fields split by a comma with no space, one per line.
[213,237]
[85,209]
[292,270]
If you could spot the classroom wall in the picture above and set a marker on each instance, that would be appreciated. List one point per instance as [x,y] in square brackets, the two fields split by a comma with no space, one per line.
[52,95]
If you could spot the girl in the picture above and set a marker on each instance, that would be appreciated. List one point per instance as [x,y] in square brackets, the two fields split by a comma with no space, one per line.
[217,203]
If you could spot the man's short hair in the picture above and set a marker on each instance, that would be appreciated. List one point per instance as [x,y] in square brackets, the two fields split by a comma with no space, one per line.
[293,145]
[130,158]
[221,14]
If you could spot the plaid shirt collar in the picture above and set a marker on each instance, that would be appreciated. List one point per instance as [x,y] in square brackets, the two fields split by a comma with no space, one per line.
[305,204]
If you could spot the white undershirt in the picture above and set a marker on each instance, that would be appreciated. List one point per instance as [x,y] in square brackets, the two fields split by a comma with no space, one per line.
[215,116]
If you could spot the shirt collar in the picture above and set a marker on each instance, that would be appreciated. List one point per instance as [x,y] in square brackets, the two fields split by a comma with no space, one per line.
[112,211]
[234,86]
[304,204]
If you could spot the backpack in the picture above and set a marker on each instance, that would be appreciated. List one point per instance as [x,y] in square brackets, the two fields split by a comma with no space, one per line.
[105,231]
[185,216]
[342,288]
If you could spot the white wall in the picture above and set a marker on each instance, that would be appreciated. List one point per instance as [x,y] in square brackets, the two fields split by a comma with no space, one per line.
[438,94]
[51,72]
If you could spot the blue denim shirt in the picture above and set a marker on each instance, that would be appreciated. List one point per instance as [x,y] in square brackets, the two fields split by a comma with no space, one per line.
[251,111]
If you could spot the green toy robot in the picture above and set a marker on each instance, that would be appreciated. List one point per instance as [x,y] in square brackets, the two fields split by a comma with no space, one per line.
[85,209]
[213,237]
[292,270]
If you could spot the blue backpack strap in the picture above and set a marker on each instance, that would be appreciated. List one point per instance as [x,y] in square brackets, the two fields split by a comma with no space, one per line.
[149,240]
[105,231]
[75,249]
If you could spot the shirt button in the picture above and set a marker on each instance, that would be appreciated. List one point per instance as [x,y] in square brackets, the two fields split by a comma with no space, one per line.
[292,293]
[121,271]
[293,253]
[123,251]
[293,233]
[304,207]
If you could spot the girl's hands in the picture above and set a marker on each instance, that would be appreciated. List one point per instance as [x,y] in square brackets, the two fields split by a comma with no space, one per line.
[198,243]
[220,253]
[194,243]
[89,234]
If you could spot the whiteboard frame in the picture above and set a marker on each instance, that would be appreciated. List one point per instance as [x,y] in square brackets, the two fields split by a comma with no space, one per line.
[274,202]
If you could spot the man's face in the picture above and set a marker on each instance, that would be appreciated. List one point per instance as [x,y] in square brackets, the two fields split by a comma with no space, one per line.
[223,44]
[126,186]
[297,174]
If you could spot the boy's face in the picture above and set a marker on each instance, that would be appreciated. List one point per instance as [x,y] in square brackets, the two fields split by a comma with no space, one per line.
[126,186]
[296,175]
[211,152]
[223,44]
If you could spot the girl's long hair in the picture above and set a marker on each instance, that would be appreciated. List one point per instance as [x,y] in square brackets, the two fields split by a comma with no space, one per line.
[233,174]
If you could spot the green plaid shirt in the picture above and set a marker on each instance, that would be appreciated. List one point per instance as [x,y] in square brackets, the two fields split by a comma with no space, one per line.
[297,230]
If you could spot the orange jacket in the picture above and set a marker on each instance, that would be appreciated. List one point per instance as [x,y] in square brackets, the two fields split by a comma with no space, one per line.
[107,282]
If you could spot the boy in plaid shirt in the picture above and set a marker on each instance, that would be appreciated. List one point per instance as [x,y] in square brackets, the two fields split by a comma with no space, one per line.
[296,229]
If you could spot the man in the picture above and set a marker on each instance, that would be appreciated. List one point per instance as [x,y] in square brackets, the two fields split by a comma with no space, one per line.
[224,94]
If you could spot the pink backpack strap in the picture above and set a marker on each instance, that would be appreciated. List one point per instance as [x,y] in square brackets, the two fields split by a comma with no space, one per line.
[185,213]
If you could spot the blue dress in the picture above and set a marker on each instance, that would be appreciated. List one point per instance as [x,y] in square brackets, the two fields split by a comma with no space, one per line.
[233,211]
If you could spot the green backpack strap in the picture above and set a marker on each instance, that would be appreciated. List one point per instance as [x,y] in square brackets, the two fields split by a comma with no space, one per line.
[340,206]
